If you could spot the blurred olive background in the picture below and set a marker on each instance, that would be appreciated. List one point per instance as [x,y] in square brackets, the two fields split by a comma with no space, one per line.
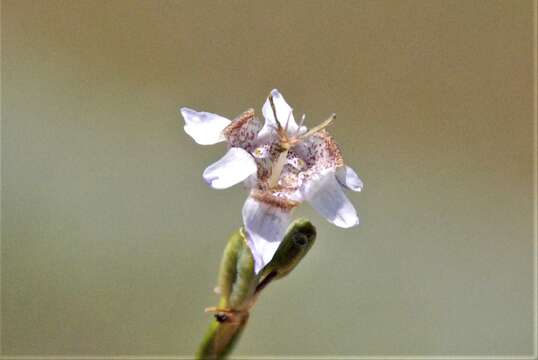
[111,240]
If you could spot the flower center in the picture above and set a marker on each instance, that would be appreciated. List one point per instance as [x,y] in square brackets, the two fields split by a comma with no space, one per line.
[287,141]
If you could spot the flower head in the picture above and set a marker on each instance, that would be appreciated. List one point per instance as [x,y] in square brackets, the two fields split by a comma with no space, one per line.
[282,163]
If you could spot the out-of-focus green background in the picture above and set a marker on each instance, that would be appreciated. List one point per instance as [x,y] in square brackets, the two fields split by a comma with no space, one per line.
[111,240]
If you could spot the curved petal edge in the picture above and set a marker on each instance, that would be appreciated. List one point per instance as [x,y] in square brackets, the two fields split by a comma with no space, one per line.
[235,166]
[326,196]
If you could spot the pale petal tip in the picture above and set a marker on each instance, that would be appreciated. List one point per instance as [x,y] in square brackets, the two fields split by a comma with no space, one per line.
[358,186]
[185,111]
[349,179]
[212,180]
[346,223]
[205,128]
[276,94]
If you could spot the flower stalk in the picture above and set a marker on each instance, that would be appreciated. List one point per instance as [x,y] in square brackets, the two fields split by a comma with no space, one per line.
[239,287]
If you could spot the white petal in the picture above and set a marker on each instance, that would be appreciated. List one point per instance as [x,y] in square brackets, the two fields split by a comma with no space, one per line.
[265,226]
[348,178]
[205,128]
[235,166]
[284,115]
[326,196]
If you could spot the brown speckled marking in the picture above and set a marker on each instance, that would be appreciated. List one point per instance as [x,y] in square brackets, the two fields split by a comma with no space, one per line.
[332,148]
[272,200]
[243,130]
[238,122]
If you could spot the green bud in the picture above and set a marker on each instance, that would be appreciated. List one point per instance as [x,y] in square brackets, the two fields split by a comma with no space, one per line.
[299,238]
[237,281]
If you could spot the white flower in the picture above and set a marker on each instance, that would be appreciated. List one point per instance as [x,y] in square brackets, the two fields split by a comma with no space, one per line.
[282,164]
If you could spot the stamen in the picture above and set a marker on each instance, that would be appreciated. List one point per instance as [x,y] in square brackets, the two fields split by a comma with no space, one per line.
[281,132]
[271,101]
[319,127]
[288,120]
[301,123]
[258,152]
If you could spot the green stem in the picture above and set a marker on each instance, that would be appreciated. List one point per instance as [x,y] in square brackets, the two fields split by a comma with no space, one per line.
[221,338]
